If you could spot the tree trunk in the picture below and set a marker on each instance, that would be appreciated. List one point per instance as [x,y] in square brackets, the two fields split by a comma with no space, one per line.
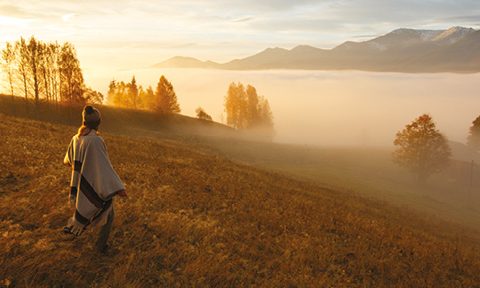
[25,87]
[35,85]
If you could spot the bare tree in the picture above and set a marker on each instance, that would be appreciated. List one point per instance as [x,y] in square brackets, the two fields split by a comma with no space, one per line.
[45,70]
[35,57]
[22,59]
[53,59]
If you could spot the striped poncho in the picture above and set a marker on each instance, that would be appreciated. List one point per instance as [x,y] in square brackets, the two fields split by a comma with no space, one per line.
[94,177]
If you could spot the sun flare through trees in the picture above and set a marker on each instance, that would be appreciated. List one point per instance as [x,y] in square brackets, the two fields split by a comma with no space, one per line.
[47,72]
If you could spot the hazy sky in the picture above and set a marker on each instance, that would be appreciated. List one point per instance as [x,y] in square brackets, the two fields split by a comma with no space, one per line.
[126,34]
[117,38]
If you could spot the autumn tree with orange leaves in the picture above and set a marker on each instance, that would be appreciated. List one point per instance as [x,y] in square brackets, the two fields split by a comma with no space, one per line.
[473,140]
[45,72]
[123,94]
[165,99]
[201,114]
[421,148]
[248,111]
[131,95]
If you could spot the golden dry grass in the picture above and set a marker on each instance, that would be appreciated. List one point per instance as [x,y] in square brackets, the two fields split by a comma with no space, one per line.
[198,219]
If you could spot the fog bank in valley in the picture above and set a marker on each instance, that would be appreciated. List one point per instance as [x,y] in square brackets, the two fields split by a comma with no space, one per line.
[331,107]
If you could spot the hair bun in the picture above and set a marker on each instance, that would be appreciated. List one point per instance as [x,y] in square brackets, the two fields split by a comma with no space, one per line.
[89,109]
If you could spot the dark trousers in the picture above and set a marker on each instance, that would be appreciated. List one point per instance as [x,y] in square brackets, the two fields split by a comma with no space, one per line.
[105,232]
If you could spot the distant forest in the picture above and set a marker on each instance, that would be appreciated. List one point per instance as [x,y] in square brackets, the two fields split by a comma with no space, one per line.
[50,72]
[245,109]
[130,95]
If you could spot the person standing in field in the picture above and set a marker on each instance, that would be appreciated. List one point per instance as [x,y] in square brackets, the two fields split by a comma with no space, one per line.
[94,182]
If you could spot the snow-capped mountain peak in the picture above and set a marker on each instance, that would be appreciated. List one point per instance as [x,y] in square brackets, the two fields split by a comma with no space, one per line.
[453,34]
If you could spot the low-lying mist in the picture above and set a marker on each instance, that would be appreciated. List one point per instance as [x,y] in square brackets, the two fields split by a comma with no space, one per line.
[341,108]
[349,108]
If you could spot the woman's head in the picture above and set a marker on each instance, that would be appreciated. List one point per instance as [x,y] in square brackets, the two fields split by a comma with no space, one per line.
[91,119]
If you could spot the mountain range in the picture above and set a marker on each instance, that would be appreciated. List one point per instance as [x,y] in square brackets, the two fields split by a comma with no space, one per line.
[456,49]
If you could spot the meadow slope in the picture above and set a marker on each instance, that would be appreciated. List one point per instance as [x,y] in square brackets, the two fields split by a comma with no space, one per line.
[452,194]
[198,219]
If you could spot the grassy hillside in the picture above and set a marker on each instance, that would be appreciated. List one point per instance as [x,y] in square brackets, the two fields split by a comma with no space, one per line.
[195,218]
[117,120]
[452,195]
